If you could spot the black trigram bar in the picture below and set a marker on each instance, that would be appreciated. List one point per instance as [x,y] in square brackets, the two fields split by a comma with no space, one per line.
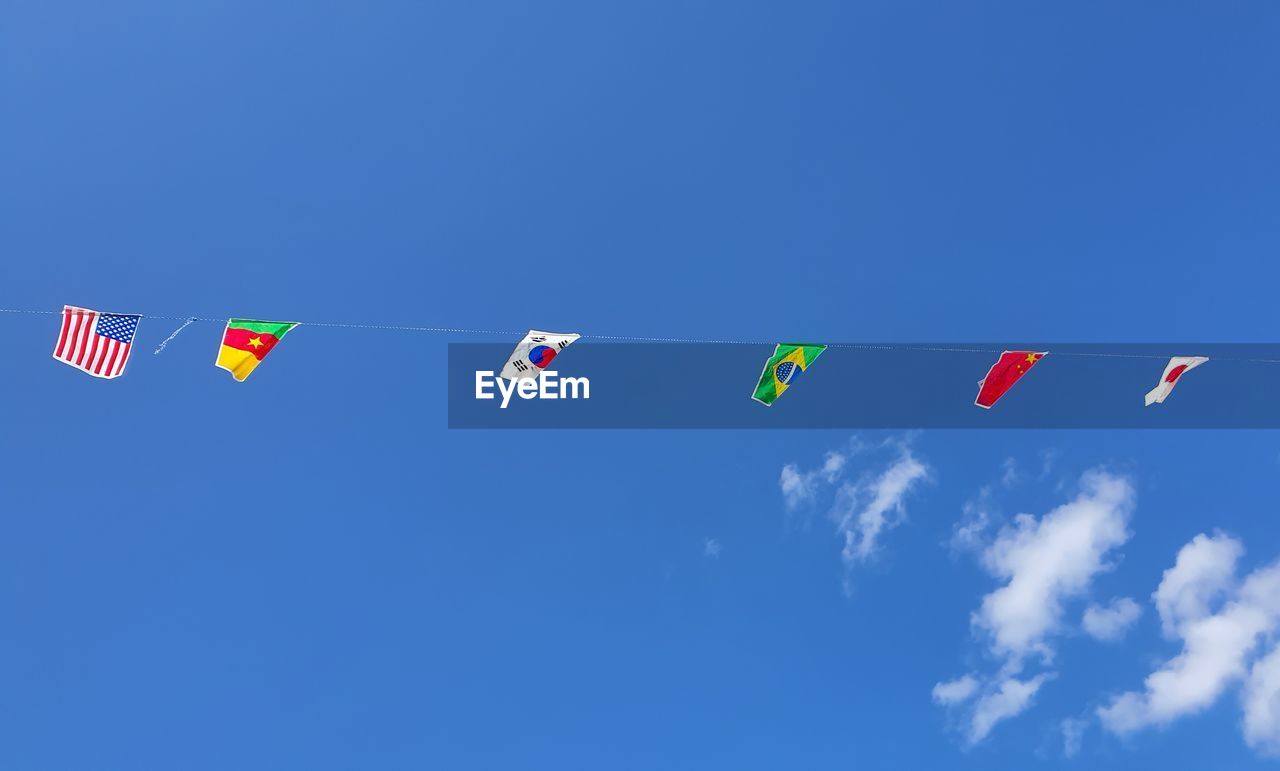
[520,365]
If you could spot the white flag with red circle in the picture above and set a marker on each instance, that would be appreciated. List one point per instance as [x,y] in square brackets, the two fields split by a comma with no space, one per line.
[1178,366]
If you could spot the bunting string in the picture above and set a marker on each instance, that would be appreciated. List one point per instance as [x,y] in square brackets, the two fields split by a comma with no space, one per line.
[187,320]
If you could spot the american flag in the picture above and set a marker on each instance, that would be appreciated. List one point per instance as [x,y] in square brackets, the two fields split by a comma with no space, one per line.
[97,343]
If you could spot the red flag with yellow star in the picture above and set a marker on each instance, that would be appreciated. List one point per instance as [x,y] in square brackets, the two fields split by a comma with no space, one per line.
[247,342]
[1011,366]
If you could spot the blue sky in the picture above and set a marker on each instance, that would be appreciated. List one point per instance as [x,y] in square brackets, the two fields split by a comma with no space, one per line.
[309,570]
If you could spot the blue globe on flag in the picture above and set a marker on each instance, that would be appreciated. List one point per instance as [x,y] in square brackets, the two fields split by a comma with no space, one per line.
[786,372]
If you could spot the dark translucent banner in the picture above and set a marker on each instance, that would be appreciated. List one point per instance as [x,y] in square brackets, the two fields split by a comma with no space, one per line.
[643,385]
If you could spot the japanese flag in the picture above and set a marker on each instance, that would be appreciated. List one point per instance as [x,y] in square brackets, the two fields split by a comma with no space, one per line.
[535,352]
[1178,366]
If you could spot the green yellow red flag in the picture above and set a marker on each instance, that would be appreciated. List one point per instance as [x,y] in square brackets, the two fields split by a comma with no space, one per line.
[247,342]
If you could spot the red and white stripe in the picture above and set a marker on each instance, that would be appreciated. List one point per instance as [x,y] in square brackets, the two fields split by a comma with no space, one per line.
[82,347]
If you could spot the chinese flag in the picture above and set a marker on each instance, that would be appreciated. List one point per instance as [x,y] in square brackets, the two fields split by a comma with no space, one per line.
[1011,366]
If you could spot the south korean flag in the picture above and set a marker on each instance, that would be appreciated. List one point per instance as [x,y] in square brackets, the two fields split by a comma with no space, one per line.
[534,353]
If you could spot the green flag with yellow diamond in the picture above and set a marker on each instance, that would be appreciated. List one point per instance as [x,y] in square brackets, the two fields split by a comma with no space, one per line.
[782,369]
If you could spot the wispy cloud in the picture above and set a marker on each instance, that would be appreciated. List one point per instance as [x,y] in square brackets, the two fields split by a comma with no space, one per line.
[1072,735]
[981,513]
[1001,698]
[1262,705]
[1110,622]
[1010,476]
[865,511]
[1048,459]
[799,487]
[955,691]
[1011,697]
[711,548]
[969,535]
[866,503]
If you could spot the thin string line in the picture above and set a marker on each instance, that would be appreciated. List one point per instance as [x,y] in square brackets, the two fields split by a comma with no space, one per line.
[649,339]
[175,333]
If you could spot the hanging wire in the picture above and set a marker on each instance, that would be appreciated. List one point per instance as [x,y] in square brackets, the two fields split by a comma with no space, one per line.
[185,324]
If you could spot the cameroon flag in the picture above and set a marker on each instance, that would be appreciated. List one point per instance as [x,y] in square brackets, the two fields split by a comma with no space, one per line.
[782,369]
[247,342]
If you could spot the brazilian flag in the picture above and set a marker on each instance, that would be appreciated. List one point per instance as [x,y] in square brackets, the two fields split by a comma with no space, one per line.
[782,369]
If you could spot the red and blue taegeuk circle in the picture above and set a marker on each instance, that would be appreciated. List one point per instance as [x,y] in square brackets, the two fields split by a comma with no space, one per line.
[541,355]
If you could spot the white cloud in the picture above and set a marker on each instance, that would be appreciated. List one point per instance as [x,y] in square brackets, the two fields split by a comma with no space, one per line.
[1262,705]
[711,548]
[970,533]
[862,509]
[796,487]
[1202,573]
[1112,621]
[1043,564]
[862,525]
[955,691]
[1011,698]
[1050,560]
[832,467]
[801,487]
[1010,476]
[1217,646]
[1048,458]
[981,513]
[1072,735]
